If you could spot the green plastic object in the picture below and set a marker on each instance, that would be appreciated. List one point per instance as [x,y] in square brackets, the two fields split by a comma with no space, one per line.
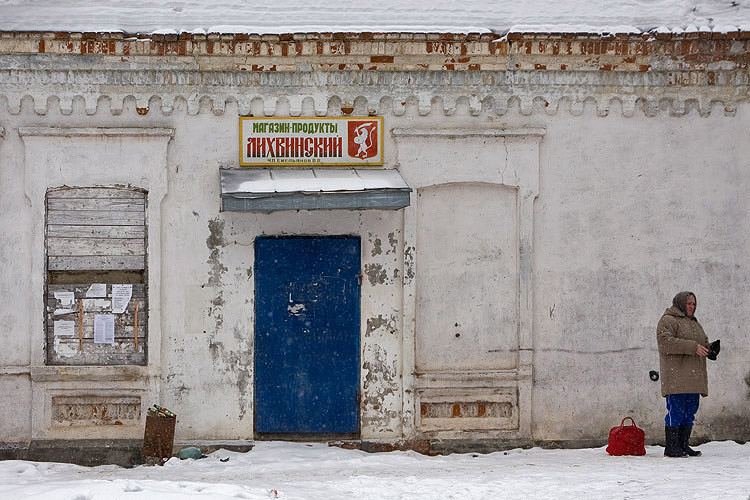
[190,452]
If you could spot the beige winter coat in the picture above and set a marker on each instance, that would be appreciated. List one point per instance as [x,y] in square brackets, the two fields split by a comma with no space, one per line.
[682,370]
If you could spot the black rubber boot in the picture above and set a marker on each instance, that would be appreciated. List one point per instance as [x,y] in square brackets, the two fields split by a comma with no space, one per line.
[684,436]
[672,446]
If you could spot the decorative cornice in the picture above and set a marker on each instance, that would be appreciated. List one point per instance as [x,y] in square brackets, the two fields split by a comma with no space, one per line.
[368,71]
[494,90]
[95,132]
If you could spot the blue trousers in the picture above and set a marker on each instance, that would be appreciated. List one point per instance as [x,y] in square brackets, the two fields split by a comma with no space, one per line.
[681,409]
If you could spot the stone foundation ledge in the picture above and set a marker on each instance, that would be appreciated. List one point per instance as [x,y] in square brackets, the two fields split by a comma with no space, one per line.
[93,452]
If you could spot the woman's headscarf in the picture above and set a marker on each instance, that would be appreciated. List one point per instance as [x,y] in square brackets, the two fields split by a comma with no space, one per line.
[680,301]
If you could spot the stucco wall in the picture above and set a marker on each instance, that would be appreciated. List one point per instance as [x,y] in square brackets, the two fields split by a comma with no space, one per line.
[629,211]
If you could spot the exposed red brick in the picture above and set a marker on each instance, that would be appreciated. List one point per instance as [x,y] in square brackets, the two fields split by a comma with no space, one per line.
[420,446]
[456,410]
[481,408]
[347,445]
[41,47]
[381,59]
[605,67]
[474,67]
[540,66]
[423,409]
[449,67]
[644,67]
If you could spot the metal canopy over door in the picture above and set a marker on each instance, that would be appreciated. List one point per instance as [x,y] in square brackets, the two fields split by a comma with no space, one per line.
[307,327]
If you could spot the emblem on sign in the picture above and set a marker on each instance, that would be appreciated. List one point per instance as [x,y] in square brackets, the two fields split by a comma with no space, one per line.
[363,139]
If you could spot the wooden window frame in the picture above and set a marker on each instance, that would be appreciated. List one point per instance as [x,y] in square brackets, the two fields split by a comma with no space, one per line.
[96,235]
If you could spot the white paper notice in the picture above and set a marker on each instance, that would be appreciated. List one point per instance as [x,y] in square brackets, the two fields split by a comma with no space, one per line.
[65,328]
[97,290]
[66,299]
[121,297]
[104,329]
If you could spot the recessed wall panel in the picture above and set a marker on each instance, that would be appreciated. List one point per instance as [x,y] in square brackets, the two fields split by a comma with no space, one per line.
[467,278]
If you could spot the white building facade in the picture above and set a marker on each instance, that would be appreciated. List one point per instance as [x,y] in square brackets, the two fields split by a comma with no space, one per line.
[493,280]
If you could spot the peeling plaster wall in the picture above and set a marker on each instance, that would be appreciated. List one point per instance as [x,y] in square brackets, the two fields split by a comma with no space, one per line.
[629,211]
[209,275]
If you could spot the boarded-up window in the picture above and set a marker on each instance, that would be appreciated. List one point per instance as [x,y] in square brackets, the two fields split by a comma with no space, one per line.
[96,244]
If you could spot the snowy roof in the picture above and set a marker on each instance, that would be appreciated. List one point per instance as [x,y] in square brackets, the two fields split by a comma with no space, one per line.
[443,16]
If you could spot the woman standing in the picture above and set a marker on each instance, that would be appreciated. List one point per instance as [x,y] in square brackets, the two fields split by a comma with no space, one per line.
[683,347]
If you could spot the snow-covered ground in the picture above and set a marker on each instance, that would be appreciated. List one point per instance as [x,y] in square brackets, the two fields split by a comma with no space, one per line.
[317,471]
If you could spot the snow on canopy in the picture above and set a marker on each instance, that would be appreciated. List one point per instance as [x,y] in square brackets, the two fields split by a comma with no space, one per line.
[431,16]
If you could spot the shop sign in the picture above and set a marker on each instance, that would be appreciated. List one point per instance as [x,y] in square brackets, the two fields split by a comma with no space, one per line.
[311,141]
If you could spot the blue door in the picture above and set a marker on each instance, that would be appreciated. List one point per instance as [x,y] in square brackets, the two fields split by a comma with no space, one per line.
[307,335]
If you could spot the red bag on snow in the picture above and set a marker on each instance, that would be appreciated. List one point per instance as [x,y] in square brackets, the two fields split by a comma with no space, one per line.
[626,439]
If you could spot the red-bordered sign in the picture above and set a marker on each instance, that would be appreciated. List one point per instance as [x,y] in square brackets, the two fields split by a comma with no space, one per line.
[311,141]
